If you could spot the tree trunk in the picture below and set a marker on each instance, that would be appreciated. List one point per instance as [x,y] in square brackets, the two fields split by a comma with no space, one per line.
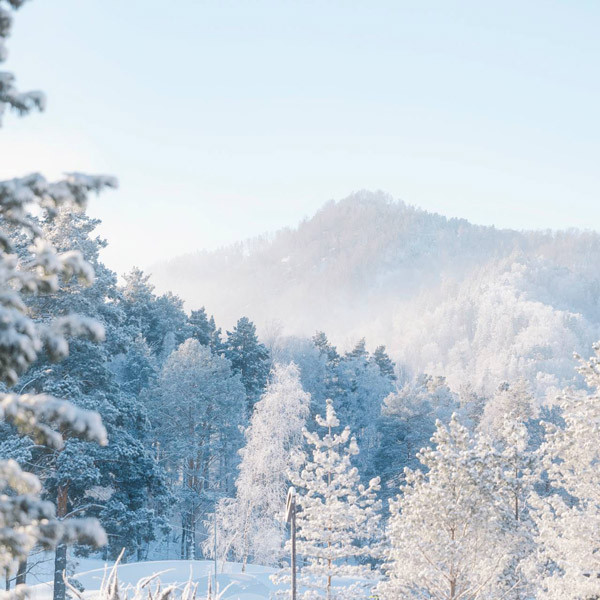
[516,495]
[192,541]
[60,567]
[183,537]
[245,544]
[452,589]
[139,549]
[7,579]
[60,556]
[22,572]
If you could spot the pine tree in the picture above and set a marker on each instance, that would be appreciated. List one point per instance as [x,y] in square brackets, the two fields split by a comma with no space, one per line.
[31,266]
[160,319]
[249,358]
[359,350]
[125,467]
[10,97]
[338,517]
[407,422]
[359,392]
[331,358]
[321,342]
[384,362]
[447,531]
[251,523]
[205,330]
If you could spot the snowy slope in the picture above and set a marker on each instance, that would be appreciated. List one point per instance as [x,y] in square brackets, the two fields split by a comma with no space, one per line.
[448,297]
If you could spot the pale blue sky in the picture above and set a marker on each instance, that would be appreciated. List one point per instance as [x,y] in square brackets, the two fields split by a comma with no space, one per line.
[224,119]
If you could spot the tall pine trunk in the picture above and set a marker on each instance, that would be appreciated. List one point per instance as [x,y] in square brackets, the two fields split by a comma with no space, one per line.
[192,538]
[60,556]
[22,572]
[183,536]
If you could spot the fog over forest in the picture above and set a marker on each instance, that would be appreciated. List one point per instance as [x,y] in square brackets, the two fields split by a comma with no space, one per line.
[475,304]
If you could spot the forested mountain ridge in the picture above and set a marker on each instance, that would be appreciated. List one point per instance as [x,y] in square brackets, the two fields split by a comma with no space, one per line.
[474,303]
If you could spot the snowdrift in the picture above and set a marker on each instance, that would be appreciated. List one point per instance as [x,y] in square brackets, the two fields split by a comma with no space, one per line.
[252,585]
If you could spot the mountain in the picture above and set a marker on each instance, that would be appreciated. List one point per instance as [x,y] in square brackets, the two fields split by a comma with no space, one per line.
[476,304]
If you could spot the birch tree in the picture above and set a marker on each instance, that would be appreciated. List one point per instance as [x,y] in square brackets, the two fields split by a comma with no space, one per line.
[251,524]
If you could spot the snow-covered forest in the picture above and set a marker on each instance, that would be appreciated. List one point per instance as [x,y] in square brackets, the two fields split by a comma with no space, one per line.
[410,383]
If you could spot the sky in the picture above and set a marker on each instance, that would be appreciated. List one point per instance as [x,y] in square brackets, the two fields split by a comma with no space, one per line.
[224,119]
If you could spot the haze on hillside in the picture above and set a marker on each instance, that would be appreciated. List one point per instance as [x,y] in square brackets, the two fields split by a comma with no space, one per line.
[476,304]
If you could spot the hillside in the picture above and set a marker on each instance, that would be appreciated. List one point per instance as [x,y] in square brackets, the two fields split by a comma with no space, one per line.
[473,303]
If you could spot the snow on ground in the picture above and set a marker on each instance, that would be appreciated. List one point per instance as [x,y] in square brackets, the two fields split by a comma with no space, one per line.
[254,584]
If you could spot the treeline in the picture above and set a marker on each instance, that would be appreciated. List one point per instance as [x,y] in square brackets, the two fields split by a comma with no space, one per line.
[175,394]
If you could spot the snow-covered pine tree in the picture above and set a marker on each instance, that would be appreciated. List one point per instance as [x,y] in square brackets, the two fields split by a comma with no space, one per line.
[384,362]
[125,469]
[21,102]
[322,344]
[249,358]
[568,519]
[407,422]
[338,517]
[205,330]
[160,319]
[251,523]
[447,532]
[359,350]
[39,269]
[359,391]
